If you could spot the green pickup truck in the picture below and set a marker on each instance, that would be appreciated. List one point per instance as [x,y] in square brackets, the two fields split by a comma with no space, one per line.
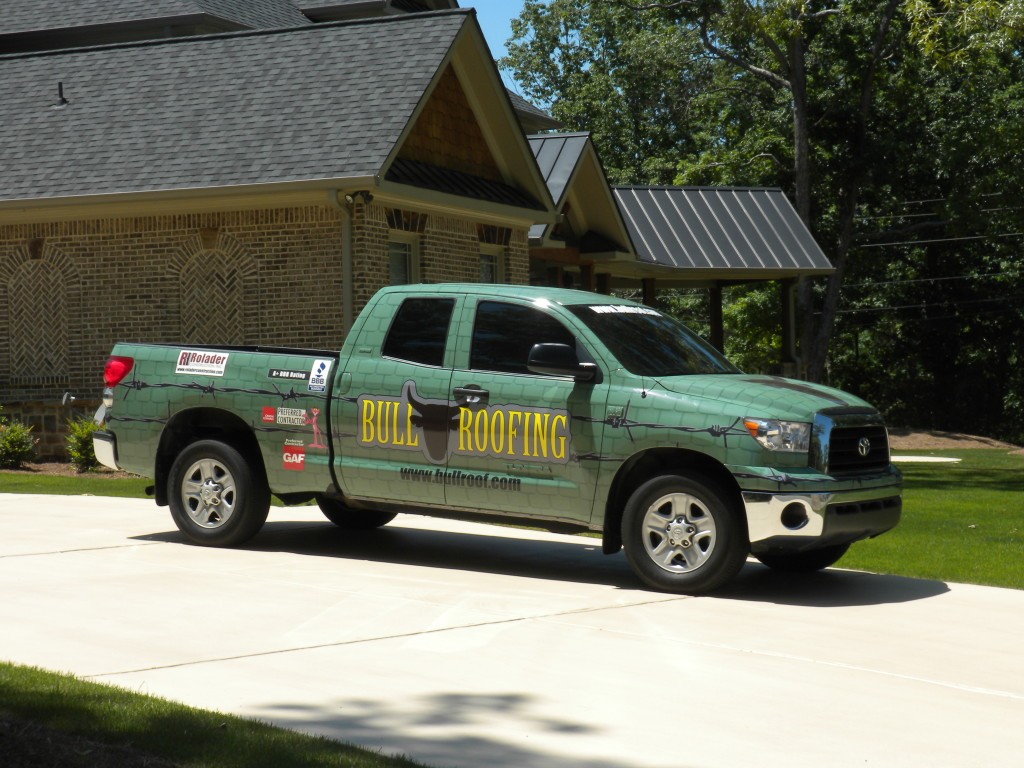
[556,409]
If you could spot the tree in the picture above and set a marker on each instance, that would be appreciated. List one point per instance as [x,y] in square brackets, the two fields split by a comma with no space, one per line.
[953,31]
[907,159]
[630,80]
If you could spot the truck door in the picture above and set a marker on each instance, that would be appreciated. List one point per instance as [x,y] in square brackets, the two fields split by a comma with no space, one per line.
[523,443]
[395,415]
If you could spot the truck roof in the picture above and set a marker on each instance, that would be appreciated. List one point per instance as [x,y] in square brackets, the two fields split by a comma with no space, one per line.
[562,296]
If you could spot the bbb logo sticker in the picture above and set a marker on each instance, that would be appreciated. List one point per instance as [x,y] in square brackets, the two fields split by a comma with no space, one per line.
[318,375]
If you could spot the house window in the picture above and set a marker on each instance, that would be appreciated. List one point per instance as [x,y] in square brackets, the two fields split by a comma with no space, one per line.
[403,266]
[491,262]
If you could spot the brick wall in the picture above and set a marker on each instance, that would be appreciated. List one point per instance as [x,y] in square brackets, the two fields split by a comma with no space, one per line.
[70,290]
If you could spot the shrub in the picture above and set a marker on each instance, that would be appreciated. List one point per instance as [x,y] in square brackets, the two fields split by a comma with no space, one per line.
[16,443]
[79,443]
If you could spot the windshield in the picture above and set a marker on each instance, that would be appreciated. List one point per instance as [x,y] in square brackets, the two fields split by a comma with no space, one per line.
[648,343]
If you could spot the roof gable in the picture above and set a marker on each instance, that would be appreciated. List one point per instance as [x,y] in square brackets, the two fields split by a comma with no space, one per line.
[210,112]
[575,177]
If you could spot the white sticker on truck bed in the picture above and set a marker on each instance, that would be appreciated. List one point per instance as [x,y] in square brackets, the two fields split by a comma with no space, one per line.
[197,362]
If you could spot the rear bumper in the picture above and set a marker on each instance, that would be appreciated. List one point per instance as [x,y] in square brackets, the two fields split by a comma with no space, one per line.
[104,445]
[794,522]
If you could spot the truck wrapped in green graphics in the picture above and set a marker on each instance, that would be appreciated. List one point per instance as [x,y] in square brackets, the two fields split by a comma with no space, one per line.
[556,409]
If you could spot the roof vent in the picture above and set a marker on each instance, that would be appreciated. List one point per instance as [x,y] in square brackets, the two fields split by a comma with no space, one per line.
[61,101]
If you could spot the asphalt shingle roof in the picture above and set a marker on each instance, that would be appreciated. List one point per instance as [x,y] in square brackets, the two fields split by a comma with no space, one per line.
[319,102]
[38,15]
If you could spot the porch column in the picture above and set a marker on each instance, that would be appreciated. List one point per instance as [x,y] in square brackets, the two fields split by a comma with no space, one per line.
[648,289]
[788,359]
[717,325]
[587,277]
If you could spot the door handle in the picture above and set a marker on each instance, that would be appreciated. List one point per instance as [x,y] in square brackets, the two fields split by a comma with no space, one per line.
[472,393]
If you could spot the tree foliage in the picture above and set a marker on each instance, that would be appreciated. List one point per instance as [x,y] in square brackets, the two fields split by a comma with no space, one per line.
[910,125]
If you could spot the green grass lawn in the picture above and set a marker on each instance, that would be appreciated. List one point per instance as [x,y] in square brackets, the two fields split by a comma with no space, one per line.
[85,484]
[961,522]
[188,737]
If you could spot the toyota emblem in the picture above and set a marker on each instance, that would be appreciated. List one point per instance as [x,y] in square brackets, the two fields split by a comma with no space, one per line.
[864,447]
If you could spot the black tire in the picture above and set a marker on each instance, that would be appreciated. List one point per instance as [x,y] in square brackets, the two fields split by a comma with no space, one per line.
[803,562]
[683,535]
[352,519]
[216,499]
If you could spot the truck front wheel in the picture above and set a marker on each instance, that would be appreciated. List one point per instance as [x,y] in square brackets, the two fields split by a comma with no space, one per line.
[803,562]
[216,500]
[352,519]
[682,534]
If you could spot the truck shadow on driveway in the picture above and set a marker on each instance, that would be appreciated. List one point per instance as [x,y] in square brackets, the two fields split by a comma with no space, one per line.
[568,561]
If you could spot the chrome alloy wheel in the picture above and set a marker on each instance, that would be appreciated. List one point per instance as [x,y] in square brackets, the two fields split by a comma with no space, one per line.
[208,493]
[679,532]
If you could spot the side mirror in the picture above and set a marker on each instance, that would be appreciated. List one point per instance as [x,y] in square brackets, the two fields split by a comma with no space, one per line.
[559,360]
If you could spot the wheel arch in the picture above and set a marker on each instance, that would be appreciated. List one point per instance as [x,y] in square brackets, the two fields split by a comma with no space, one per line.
[194,424]
[643,466]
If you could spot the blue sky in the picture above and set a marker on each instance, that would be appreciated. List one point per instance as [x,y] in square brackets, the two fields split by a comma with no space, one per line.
[495,17]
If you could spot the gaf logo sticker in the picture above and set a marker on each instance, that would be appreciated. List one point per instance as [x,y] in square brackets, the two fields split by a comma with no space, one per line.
[196,362]
[295,457]
[318,375]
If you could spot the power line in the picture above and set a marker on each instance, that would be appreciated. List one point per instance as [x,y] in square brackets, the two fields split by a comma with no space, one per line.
[932,279]
[926,306]
[940,240]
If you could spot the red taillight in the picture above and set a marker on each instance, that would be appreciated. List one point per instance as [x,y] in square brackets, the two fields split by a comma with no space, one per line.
[116,369]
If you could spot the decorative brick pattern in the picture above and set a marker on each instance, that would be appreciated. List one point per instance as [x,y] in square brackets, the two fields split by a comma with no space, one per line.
[218,288]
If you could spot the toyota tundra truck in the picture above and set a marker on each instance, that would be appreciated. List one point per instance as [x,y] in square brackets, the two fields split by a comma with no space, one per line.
[555,409]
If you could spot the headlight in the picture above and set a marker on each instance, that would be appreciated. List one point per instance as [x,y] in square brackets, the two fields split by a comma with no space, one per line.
[775,435]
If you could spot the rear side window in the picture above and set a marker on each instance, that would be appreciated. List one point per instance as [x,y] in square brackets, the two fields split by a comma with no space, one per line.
[504,334]
[420,331]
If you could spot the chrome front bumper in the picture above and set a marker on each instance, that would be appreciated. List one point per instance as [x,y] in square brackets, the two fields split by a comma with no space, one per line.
[802,521]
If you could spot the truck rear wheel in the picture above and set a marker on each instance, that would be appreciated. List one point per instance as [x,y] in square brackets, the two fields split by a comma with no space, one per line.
[683,535]
[216,500]
[352,519]
[803,562]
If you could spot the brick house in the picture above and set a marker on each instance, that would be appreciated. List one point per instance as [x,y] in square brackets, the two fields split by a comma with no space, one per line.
[252,185]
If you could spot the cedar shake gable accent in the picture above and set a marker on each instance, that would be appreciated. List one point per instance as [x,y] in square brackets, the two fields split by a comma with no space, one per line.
[446,133]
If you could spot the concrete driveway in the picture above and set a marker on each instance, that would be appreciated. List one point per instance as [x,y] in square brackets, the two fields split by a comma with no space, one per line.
[468,645]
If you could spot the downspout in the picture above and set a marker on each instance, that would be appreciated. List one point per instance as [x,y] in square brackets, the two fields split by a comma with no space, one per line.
[348,289]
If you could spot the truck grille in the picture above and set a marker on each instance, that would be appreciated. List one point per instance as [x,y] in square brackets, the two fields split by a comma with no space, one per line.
[850,441]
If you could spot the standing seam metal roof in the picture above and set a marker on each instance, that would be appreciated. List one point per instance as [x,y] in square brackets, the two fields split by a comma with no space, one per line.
[557,157]
[749,230]
[317,102]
